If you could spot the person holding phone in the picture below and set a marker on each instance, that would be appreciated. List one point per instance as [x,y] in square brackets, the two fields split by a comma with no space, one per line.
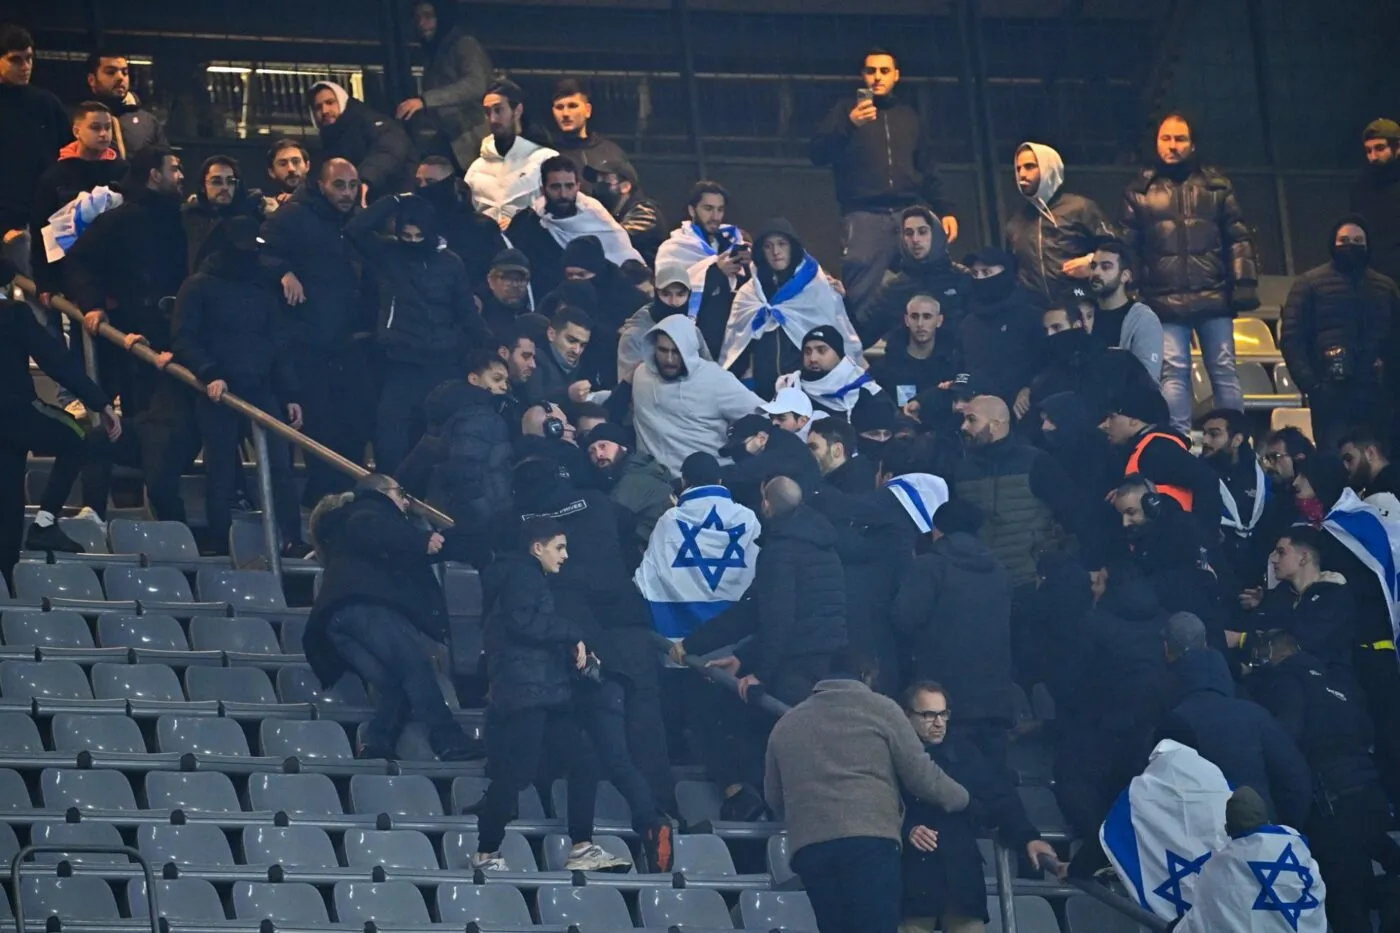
[881,155]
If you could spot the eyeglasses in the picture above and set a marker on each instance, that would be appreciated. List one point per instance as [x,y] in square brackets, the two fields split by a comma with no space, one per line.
[931,715]
[1271,457]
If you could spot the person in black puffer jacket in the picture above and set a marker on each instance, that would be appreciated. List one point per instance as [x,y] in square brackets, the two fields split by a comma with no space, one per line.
[226,330]
[427,316]
[378,600]
[1337,322]
[1197,265]
[1001,336]
[377,145]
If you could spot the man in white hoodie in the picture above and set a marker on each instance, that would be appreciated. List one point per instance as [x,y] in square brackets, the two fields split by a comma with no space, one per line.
[505,178]
[681,402]
[1055,232]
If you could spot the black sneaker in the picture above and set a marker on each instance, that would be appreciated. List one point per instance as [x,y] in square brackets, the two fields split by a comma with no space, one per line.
[51,538]
[298,550]
[375,753]
[746,806]
[659,847]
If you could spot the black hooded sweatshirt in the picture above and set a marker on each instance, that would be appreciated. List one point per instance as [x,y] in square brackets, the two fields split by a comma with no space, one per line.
[200,217]
[475,238]
[1002,337]
[1376,196]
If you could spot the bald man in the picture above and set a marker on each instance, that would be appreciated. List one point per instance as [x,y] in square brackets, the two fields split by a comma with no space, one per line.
[321,288]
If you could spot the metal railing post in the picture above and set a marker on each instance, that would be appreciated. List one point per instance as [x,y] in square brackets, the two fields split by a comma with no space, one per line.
[17,863]
[271,538]
[1006,897]
[692,86]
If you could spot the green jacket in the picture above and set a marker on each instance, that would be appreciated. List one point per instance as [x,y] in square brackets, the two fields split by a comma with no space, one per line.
[642,494]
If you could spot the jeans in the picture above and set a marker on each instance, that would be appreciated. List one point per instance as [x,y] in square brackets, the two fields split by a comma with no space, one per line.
[1217,336]
[853,883]
[600,711]
[400,421]
[382,647]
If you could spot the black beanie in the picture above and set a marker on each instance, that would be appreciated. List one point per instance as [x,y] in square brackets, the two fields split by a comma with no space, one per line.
[827,335]
[957,515]
[700,469]
[585,252]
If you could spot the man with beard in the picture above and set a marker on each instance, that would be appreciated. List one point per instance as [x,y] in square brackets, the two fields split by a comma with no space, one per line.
[288,165]
[915,359]
[1118,320]
[558,372]
[718,259]
[1002,335]
[1364,455]
[327,319]
[638,485]
[1253,517]
[1284,450]
[923,268]
[761,450]
[505,178]
[572,109]
[507,294]
[474,238]
[376,145]
[1335,326]
[456,72]
[671,289]
[1054,233]
[109,81]
[1376,195]
[616,187]
[833,445]
[835,384]
[220,195]
[517,348]
[1198,264]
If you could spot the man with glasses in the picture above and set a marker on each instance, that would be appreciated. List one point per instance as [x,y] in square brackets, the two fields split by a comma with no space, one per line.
[943,871]
[507,294]
[220,195]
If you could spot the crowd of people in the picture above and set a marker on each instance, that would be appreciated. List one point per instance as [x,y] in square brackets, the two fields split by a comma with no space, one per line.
[913,476]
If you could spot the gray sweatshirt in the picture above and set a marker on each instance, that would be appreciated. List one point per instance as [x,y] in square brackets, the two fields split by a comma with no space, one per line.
[837,762]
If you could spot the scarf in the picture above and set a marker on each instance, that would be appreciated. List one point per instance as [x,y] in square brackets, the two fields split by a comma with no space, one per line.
[839,390]
[1231,518]
[689,247]
[920,494]
[592,219]
[804,302]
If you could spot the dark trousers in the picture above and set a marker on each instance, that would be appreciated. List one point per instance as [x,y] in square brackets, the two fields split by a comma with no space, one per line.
[515,742]
[400,421]
[646,738]
[600,708]
[46,431]
[1377,673]
[336,393]
[1338,407]
[169,441]
[1092,765]
[1344,841]
[869,246]
[384,648]
[223,430]
[853,883]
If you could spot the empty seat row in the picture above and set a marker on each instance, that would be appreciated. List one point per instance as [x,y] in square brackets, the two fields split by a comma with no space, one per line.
[65,628]
[113,733]
[243,589]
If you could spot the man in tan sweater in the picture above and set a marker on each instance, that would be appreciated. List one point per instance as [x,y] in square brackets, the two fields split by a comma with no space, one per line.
[835,767]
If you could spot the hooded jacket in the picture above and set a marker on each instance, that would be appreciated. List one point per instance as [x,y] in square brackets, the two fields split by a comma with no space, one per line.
[200,217]
[1240,737]
[475,239]
[472,481]
[528,641]
[936,275]
[1329,310]
[67,178]
[455,77]
[1001,340]
[633,345]
[1051,228]
[1322,618]
[504,185]
[1194,251]
[377,145]
[1376,196]
[954,607]
[675,418]
[641,490]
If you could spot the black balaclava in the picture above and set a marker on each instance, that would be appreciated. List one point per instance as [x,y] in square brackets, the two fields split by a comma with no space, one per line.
[444,195]
[1064,348]
[416,211]
[1350,260]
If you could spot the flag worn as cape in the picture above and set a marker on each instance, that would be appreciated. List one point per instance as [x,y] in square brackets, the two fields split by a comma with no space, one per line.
[1365,530]
[1264,882]
[804,302]
[592,219]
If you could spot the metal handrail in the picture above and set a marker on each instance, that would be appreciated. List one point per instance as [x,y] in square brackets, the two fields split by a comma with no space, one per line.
[261,420]
[763,700]
[128,851]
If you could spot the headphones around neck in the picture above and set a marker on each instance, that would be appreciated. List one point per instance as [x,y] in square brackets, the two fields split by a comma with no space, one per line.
[1152,505]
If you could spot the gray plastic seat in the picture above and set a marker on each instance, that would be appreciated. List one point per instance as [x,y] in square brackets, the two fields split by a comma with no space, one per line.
[86,532]
[110,733]
[296,683]
[81,897]
[461,588]
[189,899]
[29,680]
[244,634]
[698,801]
[695,908]
[286,904]
[776,910]
[230,684]
[702,854]
[394,902]
[34,581]
[152,632]
[780,860]
[201,735]
[467,791]
[310,738]
[243,589]
[1087,915]
[1043,810]
[490,906]
[292,632]
[555,850]
[61,628]
[1253,379]
[299,794]
[306,847]
[9,847]
[136,682]
[83,834]
[1283,381]
[589,907]
[151,584]
[1033,915]
[14,795]
[398,795]
[200,844]
[458,847]
[98,789]
[609,806]
[19,735]
[200,791]
[392,848]
[157,540]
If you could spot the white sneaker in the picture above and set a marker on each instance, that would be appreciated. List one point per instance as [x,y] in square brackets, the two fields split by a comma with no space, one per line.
[593,857]
[485,861]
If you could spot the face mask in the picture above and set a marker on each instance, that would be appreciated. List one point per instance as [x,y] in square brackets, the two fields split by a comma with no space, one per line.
[608,196]
[420,250]
[1063,347]
[993,289]
[869,447]
[1350,258]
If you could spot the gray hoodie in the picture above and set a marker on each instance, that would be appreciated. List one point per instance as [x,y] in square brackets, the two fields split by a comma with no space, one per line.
[675,418]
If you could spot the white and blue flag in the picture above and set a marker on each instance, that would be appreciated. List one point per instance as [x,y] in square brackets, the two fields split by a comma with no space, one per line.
[700,560]
[1366,531]
[1263,882]
[921,494]
[1164,828]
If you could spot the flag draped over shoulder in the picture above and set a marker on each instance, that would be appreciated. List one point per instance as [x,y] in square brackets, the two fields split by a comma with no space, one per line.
[1365,530]
[68,222]
[920,494]
[700,560]
[804,302]
[688,246]
[1263,882]
[1163,829]
[591,219]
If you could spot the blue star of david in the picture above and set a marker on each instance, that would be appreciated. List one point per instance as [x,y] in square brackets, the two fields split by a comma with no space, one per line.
[1179,869]
[1267,874]
[711,568]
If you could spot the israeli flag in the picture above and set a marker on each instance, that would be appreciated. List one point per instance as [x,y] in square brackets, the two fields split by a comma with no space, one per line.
[1264,882]
[68,222]
[1374,538]
[1163,829]
[700,560]
[920,494]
